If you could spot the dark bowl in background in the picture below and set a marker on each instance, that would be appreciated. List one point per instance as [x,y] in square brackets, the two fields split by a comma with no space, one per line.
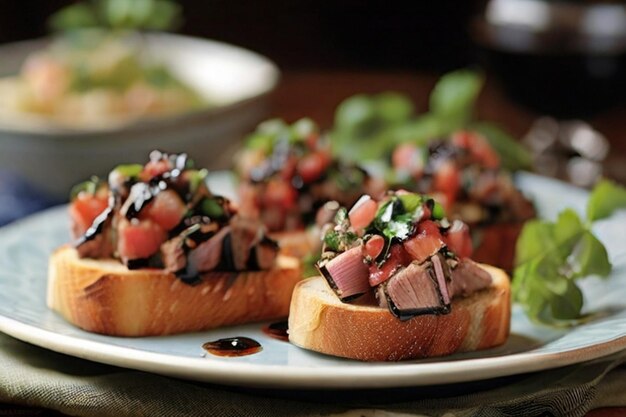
[566,59]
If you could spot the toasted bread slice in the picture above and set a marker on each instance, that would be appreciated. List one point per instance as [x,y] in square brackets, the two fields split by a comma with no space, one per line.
[319,321]
[103,296]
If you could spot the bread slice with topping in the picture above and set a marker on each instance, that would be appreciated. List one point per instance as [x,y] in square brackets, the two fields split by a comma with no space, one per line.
[104,296]
[320,321]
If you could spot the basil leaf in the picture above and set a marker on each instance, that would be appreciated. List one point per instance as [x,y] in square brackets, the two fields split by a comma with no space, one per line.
[567,230]
[536,238]
[304,127]
[356,115]
[422,130]
[393,108]
[605,198]
[550,257]
[513,155]
[569,303]
[454,95]
[590,257]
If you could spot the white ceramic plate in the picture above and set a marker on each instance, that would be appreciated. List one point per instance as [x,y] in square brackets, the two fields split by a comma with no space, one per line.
[24,250]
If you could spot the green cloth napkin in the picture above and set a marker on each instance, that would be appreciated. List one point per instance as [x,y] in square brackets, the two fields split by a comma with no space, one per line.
[36,377]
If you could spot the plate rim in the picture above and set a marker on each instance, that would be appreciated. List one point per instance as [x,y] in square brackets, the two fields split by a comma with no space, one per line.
[204,369]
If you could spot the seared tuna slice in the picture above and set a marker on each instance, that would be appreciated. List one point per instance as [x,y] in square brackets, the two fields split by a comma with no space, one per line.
[441,272]
[173,255]
[414,291]
[347,274]
[206,256]
[264,254]
[467,278]
[245,234]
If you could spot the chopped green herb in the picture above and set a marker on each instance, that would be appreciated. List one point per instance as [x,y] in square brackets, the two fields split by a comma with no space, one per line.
[90,187]
[196,179]
[438,212]
[393,220]
[400,227]
[212,208]
[129,170]
[411,201]
[332,240]
[341,217]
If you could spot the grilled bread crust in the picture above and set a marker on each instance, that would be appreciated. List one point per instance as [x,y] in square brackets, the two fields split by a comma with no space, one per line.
[319,321]
[103,296]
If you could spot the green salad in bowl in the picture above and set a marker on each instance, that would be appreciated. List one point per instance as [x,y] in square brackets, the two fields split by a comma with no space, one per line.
[99,68]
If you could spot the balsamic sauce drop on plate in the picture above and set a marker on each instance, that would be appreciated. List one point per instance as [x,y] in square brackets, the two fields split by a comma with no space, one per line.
[233,346]
[277,330]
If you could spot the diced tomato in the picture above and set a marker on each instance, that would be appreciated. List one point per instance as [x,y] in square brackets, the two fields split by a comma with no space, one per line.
[84,209]
[289,168]
[140,240]
[407,157]
[155,168]
[458,239]
[312,167]
[279,193]
[426,242]
[167,209]
[374,246]
[478,147]
[363,212]
[398,258]
[447,180]
[463,139]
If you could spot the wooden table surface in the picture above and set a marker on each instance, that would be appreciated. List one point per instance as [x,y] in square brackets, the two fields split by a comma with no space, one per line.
[315,94]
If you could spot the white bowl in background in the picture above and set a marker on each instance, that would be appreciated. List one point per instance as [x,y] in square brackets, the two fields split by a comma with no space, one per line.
[53,157]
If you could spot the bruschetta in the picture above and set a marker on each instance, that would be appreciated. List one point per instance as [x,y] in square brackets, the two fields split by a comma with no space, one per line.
[397,282]
[155,252]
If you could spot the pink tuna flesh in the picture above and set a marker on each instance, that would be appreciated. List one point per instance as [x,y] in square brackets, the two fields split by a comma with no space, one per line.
[347,274]
[413,291]
[441,277]
[468,278]
[207,255]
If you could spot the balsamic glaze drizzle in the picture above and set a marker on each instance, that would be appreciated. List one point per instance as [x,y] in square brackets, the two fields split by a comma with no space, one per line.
[278,330]
[233,346]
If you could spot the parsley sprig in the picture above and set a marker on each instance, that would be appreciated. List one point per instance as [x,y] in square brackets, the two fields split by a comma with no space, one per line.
[552,256]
